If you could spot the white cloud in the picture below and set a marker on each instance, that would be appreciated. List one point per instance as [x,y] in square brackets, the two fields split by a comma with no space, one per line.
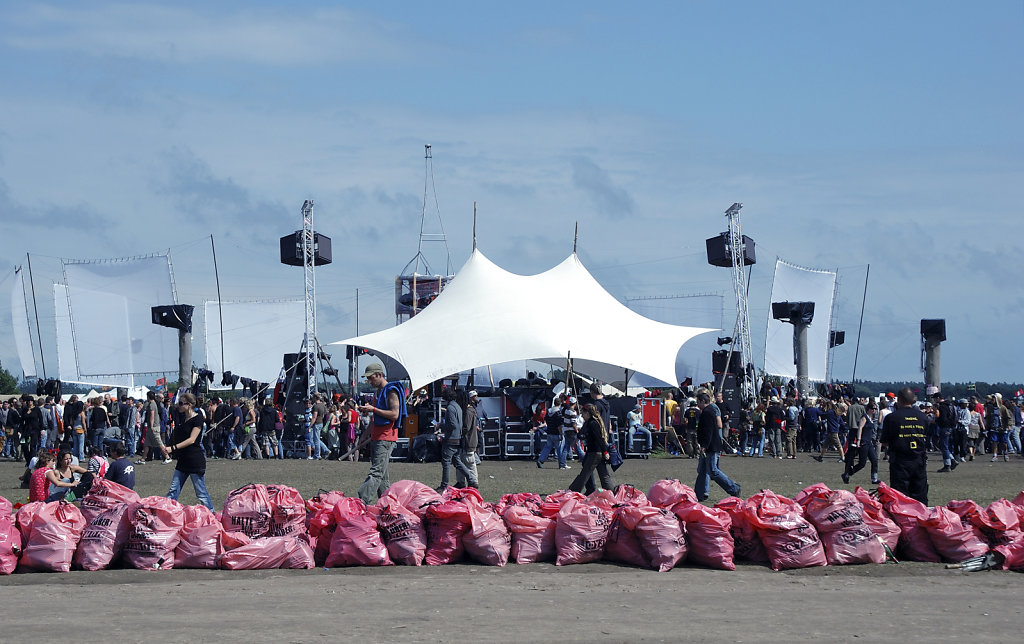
[183,35]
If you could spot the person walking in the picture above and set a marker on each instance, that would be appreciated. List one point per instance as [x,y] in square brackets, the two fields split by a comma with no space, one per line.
[595,438]
[833,427]
[861,445]
[184,446]
[388,413]
[470,441]
[709,445]
[451,430]
[903,434]
[553,422]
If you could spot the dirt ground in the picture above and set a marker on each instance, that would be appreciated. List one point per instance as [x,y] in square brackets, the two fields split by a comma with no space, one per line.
[538,602]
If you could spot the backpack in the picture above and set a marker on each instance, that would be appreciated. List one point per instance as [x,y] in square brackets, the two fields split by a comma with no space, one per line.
[947,414]
[267,421]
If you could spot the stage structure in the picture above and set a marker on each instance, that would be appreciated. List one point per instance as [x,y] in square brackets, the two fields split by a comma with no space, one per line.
[933,334]
[308,249]
[418,285]
[732,249]
[800,315]
[695,359]
[794,283]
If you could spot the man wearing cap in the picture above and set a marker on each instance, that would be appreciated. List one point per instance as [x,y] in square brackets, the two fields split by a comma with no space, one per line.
[903,433]
[388,412]
[467,446]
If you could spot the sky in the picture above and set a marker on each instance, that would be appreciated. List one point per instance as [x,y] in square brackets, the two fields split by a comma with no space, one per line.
[855,134]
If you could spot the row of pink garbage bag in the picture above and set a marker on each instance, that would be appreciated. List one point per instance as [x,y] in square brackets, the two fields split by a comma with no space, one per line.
[272,526]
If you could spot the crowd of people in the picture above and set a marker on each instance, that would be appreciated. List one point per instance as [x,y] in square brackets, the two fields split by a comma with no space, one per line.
[55,437]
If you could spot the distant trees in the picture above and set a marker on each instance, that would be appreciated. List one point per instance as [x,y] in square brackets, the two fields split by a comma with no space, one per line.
[8,383]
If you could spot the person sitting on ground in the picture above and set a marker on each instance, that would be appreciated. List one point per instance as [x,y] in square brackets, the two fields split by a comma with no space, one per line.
[62,477]
[121,471]
[39,486]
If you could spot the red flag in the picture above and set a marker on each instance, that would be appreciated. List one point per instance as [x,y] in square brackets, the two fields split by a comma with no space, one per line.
[161,381]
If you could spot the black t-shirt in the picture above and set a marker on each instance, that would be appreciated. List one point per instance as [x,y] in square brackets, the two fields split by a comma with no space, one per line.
[692,415]
[191,459]
[708,435]
[904,431]
[122,471]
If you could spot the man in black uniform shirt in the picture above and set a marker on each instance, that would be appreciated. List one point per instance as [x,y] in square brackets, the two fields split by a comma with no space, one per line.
[904,433]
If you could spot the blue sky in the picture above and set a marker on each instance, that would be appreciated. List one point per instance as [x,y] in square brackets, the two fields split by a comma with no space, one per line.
[862,133]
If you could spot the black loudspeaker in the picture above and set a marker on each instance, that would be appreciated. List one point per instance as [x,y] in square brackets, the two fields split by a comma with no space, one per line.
[177,316]
[793,311]
[731,398]
[935,329]
[836,338]
[719,358]
[718,251]
[291,249]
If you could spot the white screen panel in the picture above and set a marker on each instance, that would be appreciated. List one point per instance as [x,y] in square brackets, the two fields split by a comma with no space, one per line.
[796,284]
[110,306]
[256,337]
[19,320]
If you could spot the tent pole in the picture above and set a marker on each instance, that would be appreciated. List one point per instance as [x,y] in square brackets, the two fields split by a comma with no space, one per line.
[220,304]
[35,307]
[474,225]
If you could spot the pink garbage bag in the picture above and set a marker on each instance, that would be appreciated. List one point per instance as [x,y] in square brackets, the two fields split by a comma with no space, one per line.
[247,510]
[533,534]
[104,495]
[10,544]
[200,547]
[24,518]
[581,532]
[748,546]
[403,534]
[658,533]
[356,540]
[104,537]
[909,514]
[622,545]
[791,541]
[838,517]
[954,541]
[487,541]
[412,495]
[707,533]
[669,492]
[626,494]
[446,523]
[287,511]
[526,499]
[269,553]
[553,503]
[878,519]
[53,536]
[156,523]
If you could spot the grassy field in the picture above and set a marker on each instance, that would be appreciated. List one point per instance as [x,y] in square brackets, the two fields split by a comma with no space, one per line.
[980,480]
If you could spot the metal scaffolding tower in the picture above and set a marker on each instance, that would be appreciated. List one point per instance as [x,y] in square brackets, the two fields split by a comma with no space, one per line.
[310,345]
[741,334]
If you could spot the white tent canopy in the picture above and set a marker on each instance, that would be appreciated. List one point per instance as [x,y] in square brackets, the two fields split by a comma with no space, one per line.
[488,315]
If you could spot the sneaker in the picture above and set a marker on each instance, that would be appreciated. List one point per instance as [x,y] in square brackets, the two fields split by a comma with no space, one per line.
[1006,458]
[875,481]
[995,458]
[944,469]
[167,460]
[140,462]
[308,458]
[818,458]
[540,464]
[846,478]
[441,488]
[953,465]
[564,467]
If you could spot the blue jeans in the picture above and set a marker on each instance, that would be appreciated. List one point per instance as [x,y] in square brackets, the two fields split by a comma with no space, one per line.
[198,482]
[449,457]
[378,480]
[707,471]
[571,442]
[319,447]
[642,430]
[553,442]
[944,435]
[131,440]
[79,446]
